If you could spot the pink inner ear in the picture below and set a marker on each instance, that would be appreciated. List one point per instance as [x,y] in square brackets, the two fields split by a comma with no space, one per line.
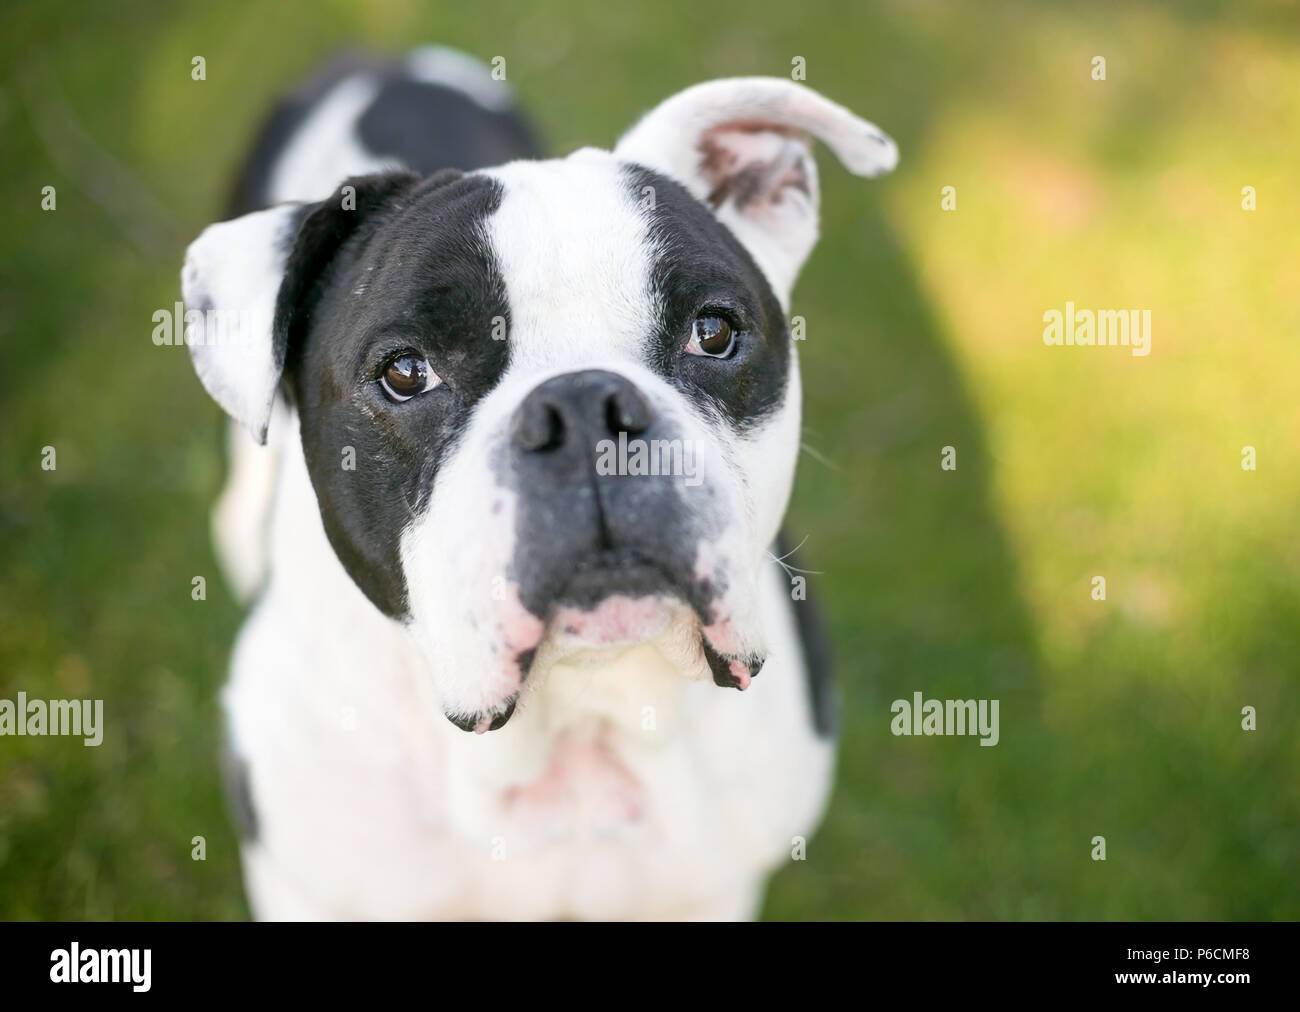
[753,162]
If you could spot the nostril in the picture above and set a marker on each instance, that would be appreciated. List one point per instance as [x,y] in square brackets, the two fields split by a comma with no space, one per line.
[555,429]
[627,411]
[539,427]
[613,415]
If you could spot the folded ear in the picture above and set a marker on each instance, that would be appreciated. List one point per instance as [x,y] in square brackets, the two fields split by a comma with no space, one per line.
[742,146]
[246,283]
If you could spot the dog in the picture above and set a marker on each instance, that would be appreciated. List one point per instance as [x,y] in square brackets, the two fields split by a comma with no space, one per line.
[441,337]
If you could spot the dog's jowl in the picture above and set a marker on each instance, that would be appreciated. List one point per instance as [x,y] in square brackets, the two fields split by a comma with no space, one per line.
[516,438]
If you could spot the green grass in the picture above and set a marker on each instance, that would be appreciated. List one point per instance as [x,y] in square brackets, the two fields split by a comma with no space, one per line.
[1118,718]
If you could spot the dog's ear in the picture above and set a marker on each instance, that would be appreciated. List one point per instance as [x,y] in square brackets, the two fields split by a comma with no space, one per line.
[742,146]
[251,279]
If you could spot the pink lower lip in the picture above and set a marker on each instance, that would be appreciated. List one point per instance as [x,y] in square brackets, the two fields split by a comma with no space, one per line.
[616,619]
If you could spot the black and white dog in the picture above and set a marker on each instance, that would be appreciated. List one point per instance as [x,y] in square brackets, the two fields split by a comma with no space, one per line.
[530,428]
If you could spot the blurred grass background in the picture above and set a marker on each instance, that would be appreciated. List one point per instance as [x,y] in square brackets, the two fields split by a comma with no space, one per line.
[1118,719]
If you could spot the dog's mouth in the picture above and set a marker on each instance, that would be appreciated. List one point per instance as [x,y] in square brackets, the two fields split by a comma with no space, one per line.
[620,572]
[613,599]
[617,596]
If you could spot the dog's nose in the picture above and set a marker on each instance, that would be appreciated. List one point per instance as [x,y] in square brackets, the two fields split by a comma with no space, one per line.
[578,409]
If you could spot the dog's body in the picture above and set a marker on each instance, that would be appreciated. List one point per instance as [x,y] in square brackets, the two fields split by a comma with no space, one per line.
[465,343]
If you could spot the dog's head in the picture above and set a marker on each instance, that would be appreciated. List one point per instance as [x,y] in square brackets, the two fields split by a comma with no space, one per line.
[554,405]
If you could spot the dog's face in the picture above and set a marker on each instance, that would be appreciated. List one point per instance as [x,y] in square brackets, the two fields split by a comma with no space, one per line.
[552,406]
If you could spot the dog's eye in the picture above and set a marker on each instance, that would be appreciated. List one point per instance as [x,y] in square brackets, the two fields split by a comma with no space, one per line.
[711,336]
[405,375]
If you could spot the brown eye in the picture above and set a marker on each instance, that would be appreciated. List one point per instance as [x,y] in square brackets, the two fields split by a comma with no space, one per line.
[406,375]
[711,336]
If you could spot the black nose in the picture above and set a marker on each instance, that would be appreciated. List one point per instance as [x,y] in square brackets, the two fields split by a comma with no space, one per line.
[576,410]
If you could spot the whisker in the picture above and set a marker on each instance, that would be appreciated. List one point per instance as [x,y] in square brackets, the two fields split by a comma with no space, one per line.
[820,457]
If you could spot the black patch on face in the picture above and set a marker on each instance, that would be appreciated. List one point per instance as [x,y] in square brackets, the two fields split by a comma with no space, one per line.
[700,265]
[409,270]
[314,237]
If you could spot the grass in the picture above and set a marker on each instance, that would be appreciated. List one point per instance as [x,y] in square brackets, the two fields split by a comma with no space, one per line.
[1119,718]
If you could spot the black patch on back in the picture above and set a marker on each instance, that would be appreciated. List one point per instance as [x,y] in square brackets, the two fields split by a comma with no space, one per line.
[239,793]
[699,265]
[815,645]
[409,268]
[251,189]
[423,127]
[431,127]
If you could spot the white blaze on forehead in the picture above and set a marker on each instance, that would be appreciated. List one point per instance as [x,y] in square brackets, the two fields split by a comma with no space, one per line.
[575,256]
